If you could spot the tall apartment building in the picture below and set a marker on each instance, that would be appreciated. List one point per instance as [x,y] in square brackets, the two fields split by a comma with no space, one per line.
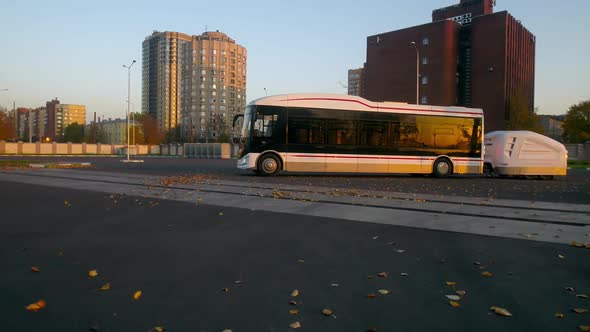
[67,114]
[355,82]
[195,83]
[467,56]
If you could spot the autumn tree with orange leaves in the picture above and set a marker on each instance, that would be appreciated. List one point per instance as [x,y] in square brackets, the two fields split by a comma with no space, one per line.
[7,130]
[151,131]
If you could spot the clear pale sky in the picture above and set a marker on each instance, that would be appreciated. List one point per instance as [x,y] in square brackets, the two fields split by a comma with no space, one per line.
[74,50]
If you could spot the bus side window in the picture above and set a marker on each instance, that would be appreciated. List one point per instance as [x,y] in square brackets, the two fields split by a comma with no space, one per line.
[306,131]
[373,133]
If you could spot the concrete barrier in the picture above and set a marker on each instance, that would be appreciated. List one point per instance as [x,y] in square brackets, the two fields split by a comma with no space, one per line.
[208,150]
[29,148]
[38,148]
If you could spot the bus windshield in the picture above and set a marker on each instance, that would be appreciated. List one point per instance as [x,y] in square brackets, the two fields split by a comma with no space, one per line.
[245,135]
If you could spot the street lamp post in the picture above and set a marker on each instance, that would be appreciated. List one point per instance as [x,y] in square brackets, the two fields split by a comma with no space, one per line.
[128,106]
[417,73]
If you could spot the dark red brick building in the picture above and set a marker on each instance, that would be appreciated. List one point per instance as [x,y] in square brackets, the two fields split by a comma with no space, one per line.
[468,56]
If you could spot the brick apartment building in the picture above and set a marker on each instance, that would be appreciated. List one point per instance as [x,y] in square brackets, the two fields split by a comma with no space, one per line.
[468,56]
[48,122]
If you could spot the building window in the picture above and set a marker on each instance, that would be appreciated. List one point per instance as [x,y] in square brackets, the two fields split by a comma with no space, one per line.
[425,60]
[425,41]
[424,79]
[424,100]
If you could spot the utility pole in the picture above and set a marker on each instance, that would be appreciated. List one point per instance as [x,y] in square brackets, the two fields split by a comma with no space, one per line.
[417,73]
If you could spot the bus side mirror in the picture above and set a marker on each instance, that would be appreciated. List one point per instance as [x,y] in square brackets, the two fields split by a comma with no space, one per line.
[236,117]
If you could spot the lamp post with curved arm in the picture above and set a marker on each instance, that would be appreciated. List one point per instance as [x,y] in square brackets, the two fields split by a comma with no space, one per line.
[128,101]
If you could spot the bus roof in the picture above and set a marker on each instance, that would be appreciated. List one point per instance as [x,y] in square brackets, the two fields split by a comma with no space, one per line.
[354,103]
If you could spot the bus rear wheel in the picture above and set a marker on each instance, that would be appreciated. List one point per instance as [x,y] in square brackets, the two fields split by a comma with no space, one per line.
[268,165]
[442,168]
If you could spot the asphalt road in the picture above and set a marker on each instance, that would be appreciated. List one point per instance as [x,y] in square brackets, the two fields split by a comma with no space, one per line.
[181,256]
[574,188]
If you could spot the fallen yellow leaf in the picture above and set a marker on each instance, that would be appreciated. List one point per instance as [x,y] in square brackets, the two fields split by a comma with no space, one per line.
[584,328]
[225,290]
[372,296]
[293,311]
[454,304]
[295,325]
[383,291]
[92,273]
[137,295]
[487,274]
[292,303]
[106,286]
[327,312]
[461,292]
[559,315]
[580,310]
[501,311]
[34,269]
[451,283]
[159,329]
[295,293]
[34,307]
[383,274]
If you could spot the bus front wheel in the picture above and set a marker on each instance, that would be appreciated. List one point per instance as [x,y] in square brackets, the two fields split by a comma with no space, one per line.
[268,165]
[442,168]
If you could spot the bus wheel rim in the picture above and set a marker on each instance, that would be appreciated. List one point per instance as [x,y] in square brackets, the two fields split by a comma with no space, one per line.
[269,165]
[442,168]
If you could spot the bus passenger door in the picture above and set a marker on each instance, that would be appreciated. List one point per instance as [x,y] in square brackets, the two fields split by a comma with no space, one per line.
[268,132]
[306,149]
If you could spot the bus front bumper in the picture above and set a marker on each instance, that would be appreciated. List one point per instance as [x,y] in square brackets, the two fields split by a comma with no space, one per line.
[247,162]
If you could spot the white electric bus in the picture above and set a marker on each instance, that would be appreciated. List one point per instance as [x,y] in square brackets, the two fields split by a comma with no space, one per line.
[339,133]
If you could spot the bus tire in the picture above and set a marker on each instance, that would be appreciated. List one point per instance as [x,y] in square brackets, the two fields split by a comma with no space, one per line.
[268,165]
[443,168]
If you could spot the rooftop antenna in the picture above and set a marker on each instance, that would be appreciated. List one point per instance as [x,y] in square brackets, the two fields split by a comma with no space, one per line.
[206,27]
[342,85]
[265,92]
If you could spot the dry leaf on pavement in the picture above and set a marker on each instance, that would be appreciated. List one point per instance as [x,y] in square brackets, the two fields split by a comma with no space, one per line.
[383,291]
[295,293]
[137,295]
[580,310]
[372,295]
[92,273]
[327,312]
[225,290]
[383,274]
[453,297]
[34,269]
[487,274]
[451,283]
[461,292]
[292,303]
[157,329]
[454,304]
[570,289]
[584,328]
[106,286]
[34,307]
[293,311]
[582,296]
[295,325]
[559,315]
[501,311]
